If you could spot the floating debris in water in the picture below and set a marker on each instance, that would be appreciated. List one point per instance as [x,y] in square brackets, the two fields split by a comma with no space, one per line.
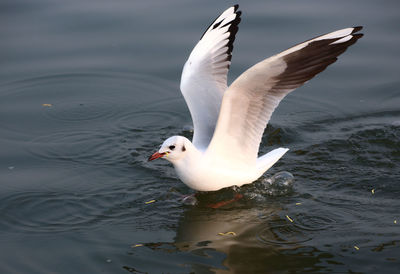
[47,105]
[373,191]
[290,219]
[356,247]
[227,233]
[11,167]
[298,203]
[108,261]
[395,221]
[150,202]
[136,245]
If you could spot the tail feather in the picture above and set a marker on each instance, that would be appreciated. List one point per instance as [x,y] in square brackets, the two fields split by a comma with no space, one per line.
[266,161]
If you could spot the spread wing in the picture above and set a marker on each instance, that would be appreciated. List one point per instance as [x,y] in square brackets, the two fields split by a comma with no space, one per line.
[204,76]
[250,100]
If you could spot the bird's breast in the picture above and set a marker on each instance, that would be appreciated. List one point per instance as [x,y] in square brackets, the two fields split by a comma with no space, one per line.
[206,176]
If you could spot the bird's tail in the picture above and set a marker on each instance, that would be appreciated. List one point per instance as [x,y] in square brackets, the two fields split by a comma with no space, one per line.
[266,161]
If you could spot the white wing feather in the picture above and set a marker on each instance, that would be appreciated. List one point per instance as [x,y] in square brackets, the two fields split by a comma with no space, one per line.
[250,100]
[204,76]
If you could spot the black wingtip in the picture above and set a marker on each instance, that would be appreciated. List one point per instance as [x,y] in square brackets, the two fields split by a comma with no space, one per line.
[233,29]
[358,35]
[215,25]
[357,29]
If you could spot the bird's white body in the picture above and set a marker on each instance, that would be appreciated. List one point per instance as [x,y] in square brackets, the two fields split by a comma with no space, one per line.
[204,171]
[229,121]
[204,174]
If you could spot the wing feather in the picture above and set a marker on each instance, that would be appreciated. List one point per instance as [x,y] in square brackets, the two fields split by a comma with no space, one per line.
[204,76]
[251,99]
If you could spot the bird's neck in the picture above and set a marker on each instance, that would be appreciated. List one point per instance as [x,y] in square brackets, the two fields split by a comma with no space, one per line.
[192,155]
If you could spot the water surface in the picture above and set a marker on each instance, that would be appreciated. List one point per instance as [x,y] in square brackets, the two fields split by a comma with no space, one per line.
[89,89]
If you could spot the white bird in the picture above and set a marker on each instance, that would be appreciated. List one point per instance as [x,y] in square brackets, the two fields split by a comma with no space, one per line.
[229,121]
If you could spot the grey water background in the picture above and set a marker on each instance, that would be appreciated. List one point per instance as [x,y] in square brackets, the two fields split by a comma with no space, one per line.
[74,176]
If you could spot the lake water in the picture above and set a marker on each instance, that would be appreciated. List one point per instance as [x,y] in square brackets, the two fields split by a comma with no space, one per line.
[90,89]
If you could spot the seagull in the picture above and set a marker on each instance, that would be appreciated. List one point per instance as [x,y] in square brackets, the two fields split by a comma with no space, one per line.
[229,121]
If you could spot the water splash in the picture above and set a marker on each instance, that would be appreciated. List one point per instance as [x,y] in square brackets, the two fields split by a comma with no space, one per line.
[190,200]
[280,184]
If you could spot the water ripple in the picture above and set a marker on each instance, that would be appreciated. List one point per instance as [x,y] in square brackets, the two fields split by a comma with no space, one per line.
[81,110]
[47,212]
[91,118]
[85,147]
[84,100]
[280,231]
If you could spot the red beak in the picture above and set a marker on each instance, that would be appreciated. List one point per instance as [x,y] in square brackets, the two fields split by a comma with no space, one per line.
[156,156]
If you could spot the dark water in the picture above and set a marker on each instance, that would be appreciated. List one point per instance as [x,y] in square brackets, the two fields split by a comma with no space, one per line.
[89,89]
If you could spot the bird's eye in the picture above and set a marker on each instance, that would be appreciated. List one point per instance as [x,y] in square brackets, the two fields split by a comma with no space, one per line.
[171,147]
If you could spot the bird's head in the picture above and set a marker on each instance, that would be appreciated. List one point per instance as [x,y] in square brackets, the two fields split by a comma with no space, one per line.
[173,149]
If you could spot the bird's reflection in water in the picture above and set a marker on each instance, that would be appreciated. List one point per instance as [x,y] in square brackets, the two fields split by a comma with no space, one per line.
[246,235]
[253,238]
